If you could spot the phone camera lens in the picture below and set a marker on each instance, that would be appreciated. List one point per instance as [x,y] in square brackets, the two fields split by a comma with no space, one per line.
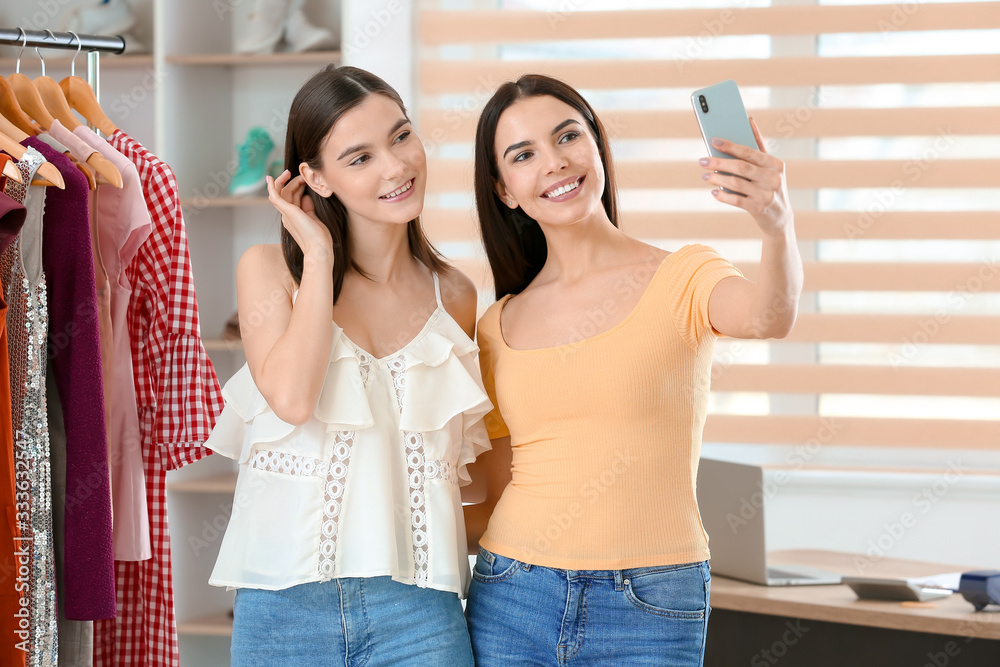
[704,103]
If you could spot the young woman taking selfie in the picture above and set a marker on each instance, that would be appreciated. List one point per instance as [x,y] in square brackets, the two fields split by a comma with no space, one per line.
[359,407]
[597,355]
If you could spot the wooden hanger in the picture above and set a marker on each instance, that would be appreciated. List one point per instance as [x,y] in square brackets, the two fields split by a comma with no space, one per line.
[52,104]
[11,171]
[54,101]
[10,136]
[74,89]
[10,108]
[42,98]
[81,97]
[87,172]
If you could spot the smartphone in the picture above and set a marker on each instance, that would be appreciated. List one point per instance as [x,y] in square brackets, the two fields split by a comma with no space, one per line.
[721,114]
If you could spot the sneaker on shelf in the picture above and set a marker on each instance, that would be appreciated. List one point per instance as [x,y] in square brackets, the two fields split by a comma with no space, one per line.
[301,35]
[262,28]
[253,154]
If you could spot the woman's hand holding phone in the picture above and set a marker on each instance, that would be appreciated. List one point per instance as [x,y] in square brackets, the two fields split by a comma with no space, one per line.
[757,180]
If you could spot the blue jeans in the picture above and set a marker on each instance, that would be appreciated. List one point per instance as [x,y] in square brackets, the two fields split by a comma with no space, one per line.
[521,614]
[351,622]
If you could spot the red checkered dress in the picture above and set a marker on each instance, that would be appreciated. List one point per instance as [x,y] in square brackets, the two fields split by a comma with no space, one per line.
[179,399]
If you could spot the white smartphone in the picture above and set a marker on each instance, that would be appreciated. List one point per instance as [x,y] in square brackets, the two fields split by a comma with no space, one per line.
[721,114]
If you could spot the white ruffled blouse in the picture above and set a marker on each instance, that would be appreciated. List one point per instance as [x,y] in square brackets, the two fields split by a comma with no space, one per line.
[369,486]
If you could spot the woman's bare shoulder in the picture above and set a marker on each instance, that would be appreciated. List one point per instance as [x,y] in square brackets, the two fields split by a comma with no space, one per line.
[460,298]
[264,265]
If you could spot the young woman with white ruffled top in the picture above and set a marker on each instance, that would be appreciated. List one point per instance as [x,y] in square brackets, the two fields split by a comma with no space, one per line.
[360,405]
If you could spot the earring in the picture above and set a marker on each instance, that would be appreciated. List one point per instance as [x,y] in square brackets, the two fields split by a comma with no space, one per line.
[510,202]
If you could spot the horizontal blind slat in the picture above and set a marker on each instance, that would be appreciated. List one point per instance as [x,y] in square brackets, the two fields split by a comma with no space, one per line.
[509,26]
[878,223]
[856,379]
[896,176]
[946,328]
[853,431]
[482,77]
[960,281]
[895,276]
[459,124]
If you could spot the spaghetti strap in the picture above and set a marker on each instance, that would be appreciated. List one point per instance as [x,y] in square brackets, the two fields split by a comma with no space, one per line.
[437,289]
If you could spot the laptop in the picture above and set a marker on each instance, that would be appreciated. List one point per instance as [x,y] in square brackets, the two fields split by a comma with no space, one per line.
[732,507]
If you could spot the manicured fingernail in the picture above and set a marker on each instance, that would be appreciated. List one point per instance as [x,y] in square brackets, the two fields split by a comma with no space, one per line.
[703,162]
[704,176]
[716,142]
[715,193]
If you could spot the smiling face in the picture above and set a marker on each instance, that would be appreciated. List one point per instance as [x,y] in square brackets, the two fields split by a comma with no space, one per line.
[374,163]
[549,162]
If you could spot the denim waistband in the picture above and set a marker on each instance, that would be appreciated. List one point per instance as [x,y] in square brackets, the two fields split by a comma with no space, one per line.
[619,576]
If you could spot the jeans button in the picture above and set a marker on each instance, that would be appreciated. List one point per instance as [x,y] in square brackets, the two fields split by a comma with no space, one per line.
[626,582]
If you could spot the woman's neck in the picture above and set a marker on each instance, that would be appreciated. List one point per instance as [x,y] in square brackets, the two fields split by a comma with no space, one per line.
[575,250]
[382,251]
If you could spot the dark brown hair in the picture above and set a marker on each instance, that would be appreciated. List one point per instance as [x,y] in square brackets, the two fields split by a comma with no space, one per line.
[515,245]
[317,107]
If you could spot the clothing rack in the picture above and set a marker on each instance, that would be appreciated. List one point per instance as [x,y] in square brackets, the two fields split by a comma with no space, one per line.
[93,44]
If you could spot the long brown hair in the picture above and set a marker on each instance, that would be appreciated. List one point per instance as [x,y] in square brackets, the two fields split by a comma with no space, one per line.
[318,105]
[515,245]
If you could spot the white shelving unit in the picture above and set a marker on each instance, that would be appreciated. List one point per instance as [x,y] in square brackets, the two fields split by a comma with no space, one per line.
[207,101]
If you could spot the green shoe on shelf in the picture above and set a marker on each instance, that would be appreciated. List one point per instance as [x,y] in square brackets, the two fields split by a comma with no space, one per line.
[253,154]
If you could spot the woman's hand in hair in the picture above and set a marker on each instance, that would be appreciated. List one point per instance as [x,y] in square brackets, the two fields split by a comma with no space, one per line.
[298,214]
[759,178]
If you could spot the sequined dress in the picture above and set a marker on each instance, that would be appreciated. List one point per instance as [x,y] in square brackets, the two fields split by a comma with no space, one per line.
[27,326]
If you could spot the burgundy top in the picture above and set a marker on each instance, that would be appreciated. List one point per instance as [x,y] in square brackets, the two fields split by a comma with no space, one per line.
[75,354]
